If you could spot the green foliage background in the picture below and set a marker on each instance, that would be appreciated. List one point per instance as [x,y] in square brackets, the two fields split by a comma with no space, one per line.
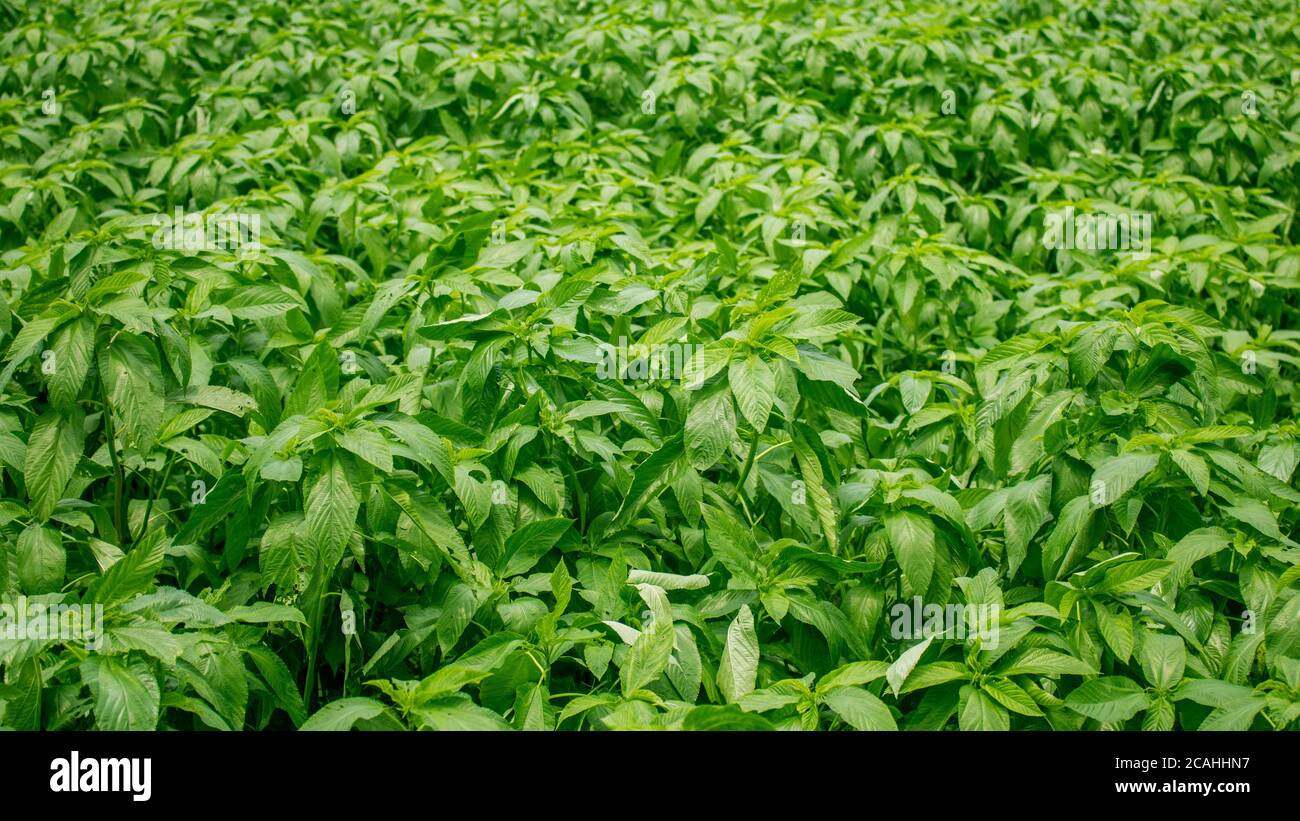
[373,475]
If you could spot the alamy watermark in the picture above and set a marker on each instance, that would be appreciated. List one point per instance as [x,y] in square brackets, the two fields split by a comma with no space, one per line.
[916,620]
[624,362]
[1070,231]
[125,775]
[229,231]
[60,622]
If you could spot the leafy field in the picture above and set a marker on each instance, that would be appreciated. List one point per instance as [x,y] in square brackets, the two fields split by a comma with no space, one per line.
[618,365]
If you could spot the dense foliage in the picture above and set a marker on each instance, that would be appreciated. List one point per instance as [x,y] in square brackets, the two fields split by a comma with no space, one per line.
[622,364]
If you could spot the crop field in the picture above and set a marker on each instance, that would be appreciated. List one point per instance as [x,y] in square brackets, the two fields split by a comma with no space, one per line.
[616,365]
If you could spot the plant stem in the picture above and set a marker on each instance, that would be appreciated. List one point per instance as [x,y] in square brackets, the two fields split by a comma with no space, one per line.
[153,493]
[119,478]
[766,451]
[749,463]
[582,498]
[318,608]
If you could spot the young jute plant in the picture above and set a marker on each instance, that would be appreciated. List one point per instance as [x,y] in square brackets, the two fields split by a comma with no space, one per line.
[625,364]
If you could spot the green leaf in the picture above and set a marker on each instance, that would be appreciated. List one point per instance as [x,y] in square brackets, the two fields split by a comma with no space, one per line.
[126,696]
[1132,576]
[979,712]
[1005,692]
[911,536]
[636,247]
[738,667]
[171,606]
[902,667]
[457,713]
[133,380]
[1119,474]
[648,476]
[42,560]
[1195,467]
[826,322]
[1160,716]
[527,545]
[1090,350]
[668,581]
[70,354]
[860,709]
[914,391]
[211,509]
[263,302]
[331,513]
[1116,629]
[370,445]
[28,340]
[474,495]
[852,674]
[154,641]
[472,667]
[132,574]
[1164,658]
[754,386]
[822,367]
[704,363]
[1237,716]
[1257,515]
[280,680]
[220,398]
[343,714]
[1042,661]
[53,449]
[712,718]
[810,468]
[1071,530]
[1108,699]
[264,612]
[458,609]
[732,544]
[1196,545]
[648,657]
[710,427]
[932,675]
[1025,511]
[1212,692]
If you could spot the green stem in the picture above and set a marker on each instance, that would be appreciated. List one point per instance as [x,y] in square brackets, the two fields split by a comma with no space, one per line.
[582,497]
[308,687]
[148,509]
[119,477]
[749,463]
[347,663]
[766,451]
[36,662]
